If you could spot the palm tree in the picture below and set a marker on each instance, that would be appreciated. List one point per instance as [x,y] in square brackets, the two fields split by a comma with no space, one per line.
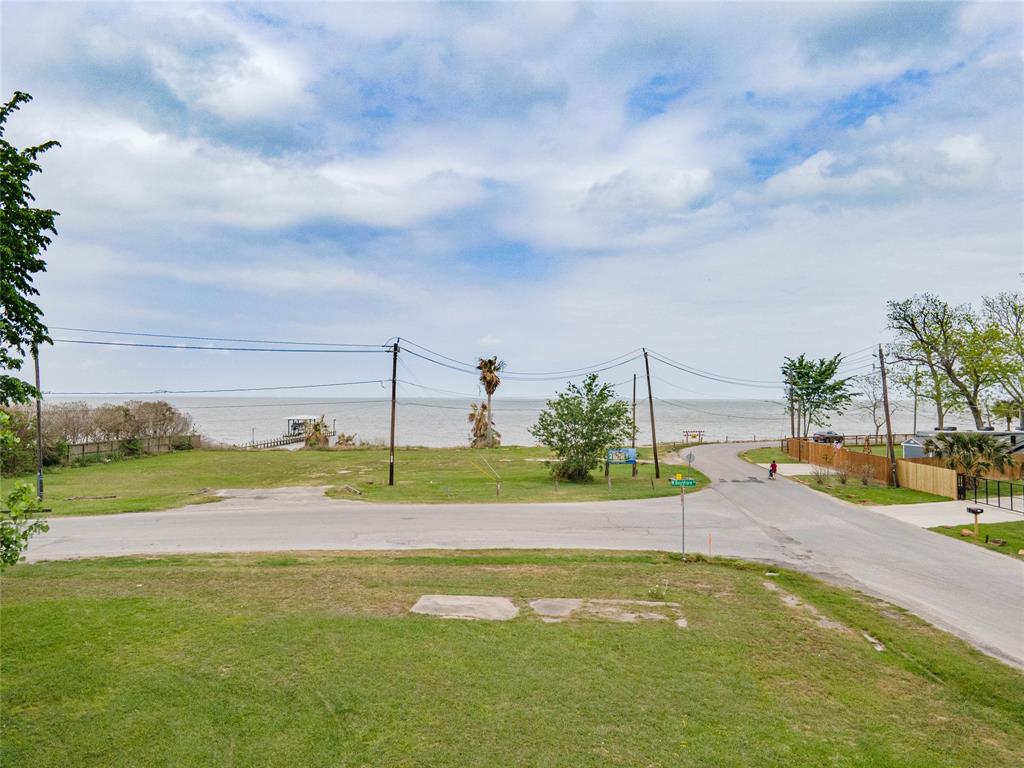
[317,434]
[490,369]
[973,454]
[482,430]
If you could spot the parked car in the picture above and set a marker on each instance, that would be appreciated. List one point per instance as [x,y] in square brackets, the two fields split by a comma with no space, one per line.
[827,436]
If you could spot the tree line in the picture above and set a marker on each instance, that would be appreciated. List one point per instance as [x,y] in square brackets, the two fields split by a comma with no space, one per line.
[71,423]
[961,359]
[958,358]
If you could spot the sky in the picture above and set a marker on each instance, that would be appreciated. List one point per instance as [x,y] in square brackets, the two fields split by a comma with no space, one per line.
[555,184]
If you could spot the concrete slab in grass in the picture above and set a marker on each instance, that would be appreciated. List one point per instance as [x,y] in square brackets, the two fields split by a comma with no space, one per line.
[555,608]
[466,607]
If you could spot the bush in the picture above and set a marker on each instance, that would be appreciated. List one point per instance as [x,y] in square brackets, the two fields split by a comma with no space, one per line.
[131,447]
[579,425]
[866,473]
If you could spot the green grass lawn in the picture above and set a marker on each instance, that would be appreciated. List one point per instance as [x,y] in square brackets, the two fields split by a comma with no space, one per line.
[1011,533]
[431,475]
[767,455]
[313,660]
[856,492]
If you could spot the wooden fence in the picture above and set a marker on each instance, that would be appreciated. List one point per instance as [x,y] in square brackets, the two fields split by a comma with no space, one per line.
[163,444]
[919,474]
[825,455]
[926,476]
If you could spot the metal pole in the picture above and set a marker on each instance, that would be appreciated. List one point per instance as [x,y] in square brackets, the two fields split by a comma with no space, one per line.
[888,421]
[650,401]
[394,396]
[39,427]
[682,520]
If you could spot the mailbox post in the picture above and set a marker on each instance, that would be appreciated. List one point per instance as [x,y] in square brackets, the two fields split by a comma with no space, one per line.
[975,511]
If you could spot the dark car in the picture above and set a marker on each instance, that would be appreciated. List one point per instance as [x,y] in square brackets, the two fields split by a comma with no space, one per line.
[827,437]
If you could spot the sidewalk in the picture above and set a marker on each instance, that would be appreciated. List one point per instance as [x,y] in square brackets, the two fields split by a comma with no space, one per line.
[945,513]
[789,470]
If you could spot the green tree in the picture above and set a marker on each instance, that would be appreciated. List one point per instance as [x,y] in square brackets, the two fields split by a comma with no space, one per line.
[1004,313]
[974,454]
[24,235]
[580,425]
[952,342]
[1006,409]
[490,377]
[18,520]
[929,384]
[815,389]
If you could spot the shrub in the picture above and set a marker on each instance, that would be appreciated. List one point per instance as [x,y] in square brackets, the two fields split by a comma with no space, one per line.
[131,447]
[866,473]
[820,474]
[580,424]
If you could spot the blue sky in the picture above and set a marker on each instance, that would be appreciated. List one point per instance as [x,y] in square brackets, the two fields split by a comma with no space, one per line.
[552,183]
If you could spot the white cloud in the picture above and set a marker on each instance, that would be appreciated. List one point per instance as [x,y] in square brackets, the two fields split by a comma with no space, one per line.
[348,165]
[967,152]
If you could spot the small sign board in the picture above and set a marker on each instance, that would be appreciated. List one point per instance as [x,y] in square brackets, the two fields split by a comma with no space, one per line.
[621,456]
[682,482]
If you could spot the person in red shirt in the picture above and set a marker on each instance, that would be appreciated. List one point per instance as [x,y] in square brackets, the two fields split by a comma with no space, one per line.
[772,470]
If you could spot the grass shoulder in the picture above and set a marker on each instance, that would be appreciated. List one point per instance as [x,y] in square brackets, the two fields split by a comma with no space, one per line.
[263,660]
[424,475]
[1011,533]
[767,456]
[871,495]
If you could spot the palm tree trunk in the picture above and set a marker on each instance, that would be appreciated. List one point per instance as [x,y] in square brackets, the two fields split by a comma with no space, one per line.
[490,419]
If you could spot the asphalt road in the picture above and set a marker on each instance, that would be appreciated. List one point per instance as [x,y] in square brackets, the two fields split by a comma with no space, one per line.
[974,593]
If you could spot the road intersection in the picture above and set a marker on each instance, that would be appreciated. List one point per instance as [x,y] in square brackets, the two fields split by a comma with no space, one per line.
[972,592]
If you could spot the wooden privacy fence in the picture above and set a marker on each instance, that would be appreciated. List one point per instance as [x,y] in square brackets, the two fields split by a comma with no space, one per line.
[926,476]
[163,444]
[919,474]
[825,455]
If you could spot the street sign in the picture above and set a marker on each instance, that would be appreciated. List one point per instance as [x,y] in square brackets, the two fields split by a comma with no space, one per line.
[689,459]
[682,482]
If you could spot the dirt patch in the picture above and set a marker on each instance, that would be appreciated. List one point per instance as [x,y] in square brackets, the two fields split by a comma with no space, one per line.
[624,611]
[809,611]
[551,610]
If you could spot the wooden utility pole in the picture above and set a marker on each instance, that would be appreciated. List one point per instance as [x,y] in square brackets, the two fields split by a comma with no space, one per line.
[394,397]
[633,441]
[650,401]
[39,427]
[792,414]
[888,421]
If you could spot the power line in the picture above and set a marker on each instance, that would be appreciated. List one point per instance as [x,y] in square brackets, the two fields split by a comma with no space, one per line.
[216,391]
[513,377]
[513,374]
[437,389]
[584,369]
[709,394]
[215,338]
[211,349]
[743,417]
[714,377]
